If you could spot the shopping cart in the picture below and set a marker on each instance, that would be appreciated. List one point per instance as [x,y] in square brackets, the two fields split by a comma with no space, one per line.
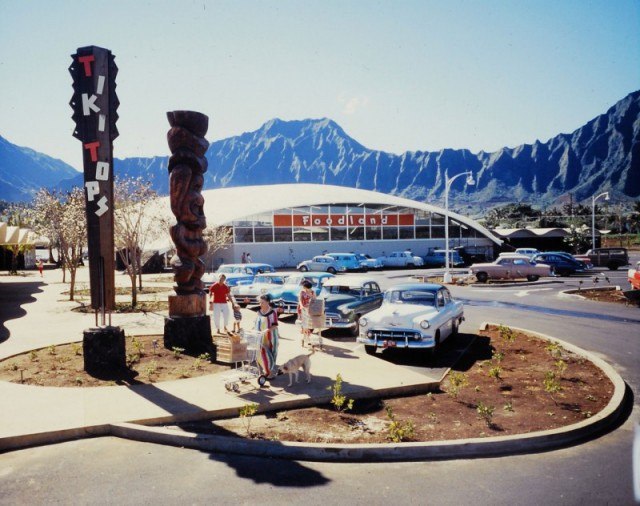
[247,368]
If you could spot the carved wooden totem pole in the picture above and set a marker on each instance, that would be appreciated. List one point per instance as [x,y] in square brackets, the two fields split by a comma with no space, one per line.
[188,325]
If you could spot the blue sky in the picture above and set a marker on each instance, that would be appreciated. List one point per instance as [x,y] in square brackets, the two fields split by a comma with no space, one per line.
[396,75]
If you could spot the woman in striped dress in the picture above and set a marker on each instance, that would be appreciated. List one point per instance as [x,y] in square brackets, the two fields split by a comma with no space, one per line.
[267,323]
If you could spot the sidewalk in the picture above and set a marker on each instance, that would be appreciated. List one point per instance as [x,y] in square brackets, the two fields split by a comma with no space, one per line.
[39,316]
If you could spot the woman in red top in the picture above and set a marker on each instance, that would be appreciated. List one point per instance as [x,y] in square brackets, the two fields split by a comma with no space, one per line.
[220,295]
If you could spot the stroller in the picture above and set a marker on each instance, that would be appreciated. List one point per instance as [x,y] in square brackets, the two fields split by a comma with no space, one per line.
[247,368]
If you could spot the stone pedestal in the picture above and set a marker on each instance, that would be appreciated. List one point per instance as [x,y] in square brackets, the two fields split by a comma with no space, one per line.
[188,325]
[192,333]
[104,349]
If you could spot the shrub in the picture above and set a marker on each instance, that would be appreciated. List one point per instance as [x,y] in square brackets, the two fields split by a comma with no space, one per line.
[554,349]
[76,348]
[507,333]
[457,381]
[177,352]
[497,356]
[551,384]
[246,413]
[485,412]
[137,346]
[339,401]
[151,369]
[495,372]
[398,431]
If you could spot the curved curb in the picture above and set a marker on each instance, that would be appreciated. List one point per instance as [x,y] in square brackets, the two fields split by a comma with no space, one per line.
[452,449]
[512,284]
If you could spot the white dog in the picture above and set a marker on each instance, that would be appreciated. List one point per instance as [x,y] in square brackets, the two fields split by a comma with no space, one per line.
[293,366]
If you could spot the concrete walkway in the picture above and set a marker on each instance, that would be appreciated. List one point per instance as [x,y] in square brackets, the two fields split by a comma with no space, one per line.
[39,315]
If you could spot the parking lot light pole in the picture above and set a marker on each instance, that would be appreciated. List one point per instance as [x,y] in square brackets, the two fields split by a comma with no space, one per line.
[470,181]
[593,216]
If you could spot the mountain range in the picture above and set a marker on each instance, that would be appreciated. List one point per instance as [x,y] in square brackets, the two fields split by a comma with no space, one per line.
[602,155]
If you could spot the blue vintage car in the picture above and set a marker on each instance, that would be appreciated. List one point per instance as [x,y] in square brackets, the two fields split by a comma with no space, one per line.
[437,258]
[347,298]
[286,297]
[237,274]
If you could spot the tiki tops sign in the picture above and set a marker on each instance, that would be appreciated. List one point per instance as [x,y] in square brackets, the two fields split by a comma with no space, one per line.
[94,104]
[342,220]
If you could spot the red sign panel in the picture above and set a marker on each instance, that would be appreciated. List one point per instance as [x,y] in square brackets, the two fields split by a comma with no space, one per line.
[342,220]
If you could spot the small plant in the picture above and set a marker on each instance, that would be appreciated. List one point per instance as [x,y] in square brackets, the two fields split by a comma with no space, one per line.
[151,369]
[398,431]
[78,380]
[554,349]
[51,350]
[138,346]
[13,367]
[340,401]
[33,355]
[587,414]
[591,398]
[184,373]
[177,352]
[497,356]
[551,384]
[132,358]
[477,388]
[508,407]
[197,364]
[246,413]
[507,333]
[561,366]
[457,381]
[496,372]
[76,348]
[485,412]
[205,357]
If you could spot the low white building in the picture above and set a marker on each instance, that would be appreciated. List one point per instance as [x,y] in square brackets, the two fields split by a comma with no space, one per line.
[286,223]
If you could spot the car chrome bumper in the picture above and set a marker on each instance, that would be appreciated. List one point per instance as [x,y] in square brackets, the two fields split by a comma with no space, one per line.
[390,343]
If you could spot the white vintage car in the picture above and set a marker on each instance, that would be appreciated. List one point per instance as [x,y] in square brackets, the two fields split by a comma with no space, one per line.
[412,315]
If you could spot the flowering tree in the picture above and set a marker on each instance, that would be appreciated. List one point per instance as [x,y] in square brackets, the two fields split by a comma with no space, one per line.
[135,224]
[217,238]
[61,218]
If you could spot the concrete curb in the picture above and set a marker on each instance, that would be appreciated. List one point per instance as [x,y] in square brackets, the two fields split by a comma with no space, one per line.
[454,449]
[512,285]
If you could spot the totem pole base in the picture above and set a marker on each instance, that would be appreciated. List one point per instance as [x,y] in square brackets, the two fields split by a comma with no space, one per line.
[104,349]
[191,333]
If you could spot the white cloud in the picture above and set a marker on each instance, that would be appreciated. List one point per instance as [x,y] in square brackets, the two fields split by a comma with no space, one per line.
[351,105]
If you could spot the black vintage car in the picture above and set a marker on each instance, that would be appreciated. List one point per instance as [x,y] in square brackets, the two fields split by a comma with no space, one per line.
[347,298]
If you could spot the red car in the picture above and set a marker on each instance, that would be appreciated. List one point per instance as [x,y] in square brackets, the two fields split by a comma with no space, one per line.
[634,277]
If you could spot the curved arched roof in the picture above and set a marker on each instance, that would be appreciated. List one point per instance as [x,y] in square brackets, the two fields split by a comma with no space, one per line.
[225,205]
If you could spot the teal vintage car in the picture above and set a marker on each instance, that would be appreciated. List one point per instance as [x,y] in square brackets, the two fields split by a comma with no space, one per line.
[347,298]
[286,297]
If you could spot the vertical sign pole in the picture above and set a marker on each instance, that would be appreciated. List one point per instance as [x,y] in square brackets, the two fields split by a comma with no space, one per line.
[94,104]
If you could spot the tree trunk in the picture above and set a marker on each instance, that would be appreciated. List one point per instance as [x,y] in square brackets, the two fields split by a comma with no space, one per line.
[14,259]
[51,259]
[72,287]
[134,288]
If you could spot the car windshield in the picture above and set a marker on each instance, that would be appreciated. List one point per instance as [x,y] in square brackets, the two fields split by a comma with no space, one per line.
[343,290]
[270,280]
[421,297]
[227,269]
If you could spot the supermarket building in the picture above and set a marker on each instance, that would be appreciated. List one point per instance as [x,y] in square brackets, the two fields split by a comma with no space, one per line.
[284,224]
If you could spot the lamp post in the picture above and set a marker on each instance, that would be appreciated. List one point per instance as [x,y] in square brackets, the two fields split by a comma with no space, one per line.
[593,216]
[470,181]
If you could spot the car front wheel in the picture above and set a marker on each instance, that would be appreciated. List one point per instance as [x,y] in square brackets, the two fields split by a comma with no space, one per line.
[613,266]
[355,330]
[331,270]
[303,268]
[371,350]
[532,277]
[482,277]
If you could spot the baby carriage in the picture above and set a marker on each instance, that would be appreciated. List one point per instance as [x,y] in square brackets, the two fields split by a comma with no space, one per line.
[247,368]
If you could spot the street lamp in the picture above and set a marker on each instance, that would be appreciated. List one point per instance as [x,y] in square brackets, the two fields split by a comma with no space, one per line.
[470,181]
[593,217]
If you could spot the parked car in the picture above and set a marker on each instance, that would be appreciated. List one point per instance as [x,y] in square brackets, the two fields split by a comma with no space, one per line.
[529,252]
[348,260]
[562,265]
[611,258]
[286,296]
[511,267]
[347,298]
[586,265]
[262,283]
[401,259]
[437,258]
[368,263]
[412,315]
[235,273]
[634,277]
[258,268]
[323,263]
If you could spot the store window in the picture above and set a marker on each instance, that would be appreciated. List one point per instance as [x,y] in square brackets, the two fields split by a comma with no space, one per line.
[301,234]
[423,232]
[405,232]
[263,234]
[356,234]
[243,234]
[283,234]
[338,234]
[320,234]
[374,233]
[389,233]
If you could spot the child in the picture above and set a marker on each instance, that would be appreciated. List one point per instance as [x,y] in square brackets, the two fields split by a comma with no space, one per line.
[237,315]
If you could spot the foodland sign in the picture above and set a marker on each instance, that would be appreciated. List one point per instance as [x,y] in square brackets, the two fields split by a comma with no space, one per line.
[94,104]
[342,220]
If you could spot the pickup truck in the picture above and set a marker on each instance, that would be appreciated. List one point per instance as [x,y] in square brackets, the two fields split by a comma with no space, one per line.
[401,259]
